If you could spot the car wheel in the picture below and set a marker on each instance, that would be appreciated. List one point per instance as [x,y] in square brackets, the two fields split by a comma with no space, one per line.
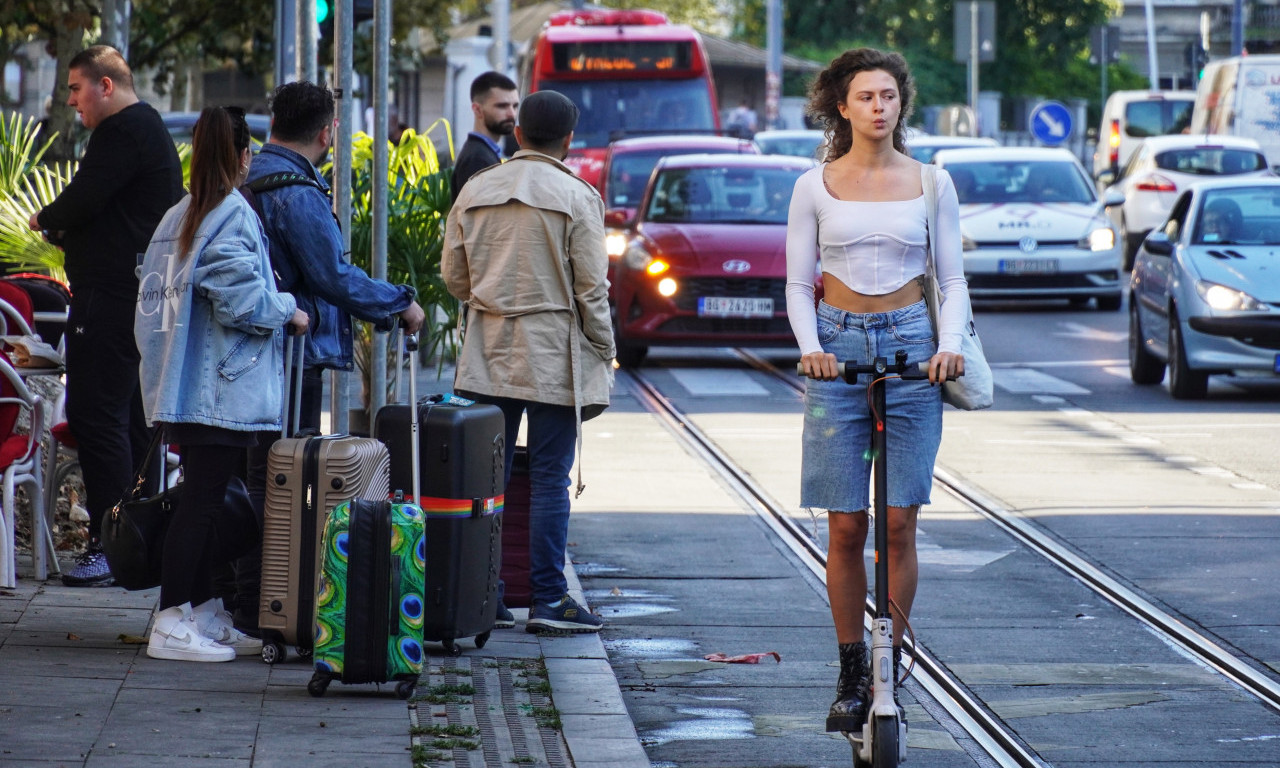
[631,356]
[1130,243]
[1184,383]
[1144,367]
[1110,303]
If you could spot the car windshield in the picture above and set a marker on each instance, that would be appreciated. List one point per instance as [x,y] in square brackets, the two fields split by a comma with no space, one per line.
[1020,181]
[796,146]
[722,195]
[1211,161]
[612,109]
[1239,216]
[629,173]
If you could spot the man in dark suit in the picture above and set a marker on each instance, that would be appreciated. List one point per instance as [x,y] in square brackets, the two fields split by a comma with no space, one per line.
[494,101]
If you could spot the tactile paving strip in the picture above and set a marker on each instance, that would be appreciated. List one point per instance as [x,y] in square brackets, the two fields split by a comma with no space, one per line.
[475,712]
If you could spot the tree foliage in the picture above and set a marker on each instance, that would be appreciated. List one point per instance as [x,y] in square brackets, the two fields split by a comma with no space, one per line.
[1042,45]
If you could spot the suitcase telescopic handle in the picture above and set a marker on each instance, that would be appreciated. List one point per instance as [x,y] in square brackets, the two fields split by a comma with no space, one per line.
[293,406]
[411,352]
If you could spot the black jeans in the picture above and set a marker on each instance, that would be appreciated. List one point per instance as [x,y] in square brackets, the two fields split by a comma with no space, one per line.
[104,400]
[186,574]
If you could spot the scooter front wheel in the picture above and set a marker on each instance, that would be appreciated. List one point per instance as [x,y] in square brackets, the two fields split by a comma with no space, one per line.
[884,743]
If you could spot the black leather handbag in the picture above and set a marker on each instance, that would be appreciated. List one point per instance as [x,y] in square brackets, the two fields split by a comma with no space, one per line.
[134,531]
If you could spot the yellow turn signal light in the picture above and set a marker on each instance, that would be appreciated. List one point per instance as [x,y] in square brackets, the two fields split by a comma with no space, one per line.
[657,267]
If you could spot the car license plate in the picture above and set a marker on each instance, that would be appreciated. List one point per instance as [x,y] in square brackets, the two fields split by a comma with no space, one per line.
[1028,266]
[725,306]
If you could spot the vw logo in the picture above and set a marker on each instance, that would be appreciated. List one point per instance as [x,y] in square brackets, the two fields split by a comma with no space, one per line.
[1028,245]
[736,266]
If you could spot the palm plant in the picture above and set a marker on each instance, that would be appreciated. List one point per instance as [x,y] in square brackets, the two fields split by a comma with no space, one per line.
[25,188]
[417,203]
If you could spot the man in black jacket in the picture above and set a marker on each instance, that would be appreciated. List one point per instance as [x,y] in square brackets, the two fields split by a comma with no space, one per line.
[494,101]
[129,176]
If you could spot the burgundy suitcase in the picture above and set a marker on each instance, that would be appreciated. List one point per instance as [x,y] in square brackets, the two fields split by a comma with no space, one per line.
[515,534]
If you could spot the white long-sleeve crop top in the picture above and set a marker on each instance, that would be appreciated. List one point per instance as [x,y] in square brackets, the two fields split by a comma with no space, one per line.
[874,248]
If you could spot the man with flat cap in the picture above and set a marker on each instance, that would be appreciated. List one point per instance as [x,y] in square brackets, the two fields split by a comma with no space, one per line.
[524,250]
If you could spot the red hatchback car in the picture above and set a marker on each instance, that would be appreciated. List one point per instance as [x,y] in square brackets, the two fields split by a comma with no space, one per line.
[707,261]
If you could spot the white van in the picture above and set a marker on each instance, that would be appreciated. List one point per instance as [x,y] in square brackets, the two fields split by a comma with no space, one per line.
[1131,116]
[1240,96]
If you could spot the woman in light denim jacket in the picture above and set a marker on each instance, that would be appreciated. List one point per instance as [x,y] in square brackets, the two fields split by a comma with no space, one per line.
[209,328]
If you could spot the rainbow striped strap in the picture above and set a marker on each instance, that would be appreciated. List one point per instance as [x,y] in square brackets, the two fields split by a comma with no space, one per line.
[435,506]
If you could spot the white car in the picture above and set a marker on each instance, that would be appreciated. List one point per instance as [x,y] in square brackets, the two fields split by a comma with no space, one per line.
[1164,166]
[797,142]
[923,146]
[1034,227]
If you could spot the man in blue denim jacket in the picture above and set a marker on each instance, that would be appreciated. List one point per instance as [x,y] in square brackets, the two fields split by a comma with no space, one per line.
[306,245]
[307,255]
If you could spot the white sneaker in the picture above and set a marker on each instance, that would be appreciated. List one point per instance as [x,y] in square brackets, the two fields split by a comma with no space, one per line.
[215,623]
[176,636]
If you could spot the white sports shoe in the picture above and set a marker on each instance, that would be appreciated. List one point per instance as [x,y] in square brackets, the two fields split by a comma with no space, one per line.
[176,636]
[215,622]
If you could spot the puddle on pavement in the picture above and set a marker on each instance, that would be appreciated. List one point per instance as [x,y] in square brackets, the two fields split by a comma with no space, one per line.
[630,604]
[595,569]
[709,724]
[652,648]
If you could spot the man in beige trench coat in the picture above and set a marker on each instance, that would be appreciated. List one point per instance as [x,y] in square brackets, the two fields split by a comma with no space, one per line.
[524,250]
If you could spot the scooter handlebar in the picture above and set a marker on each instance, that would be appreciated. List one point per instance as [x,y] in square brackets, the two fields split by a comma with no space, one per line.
[843,369]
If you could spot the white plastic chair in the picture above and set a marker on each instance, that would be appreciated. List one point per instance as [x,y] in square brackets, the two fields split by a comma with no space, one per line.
[25,469]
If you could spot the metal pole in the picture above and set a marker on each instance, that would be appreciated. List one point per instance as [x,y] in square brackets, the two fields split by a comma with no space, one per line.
[381,71]
[773,70]
[973,58]
[501,51]
[343,37]
[286,42]
[1105,59]
[1237,29]
[1153,66]
[306,52]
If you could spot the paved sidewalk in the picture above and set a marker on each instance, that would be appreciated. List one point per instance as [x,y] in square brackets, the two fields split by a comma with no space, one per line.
[77,689]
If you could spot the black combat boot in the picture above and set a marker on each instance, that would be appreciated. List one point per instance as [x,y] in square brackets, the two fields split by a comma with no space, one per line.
[853,690]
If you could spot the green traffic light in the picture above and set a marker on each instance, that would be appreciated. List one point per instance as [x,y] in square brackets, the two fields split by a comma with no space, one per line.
[322,11]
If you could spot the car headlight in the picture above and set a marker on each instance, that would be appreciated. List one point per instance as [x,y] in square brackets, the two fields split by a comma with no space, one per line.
[636,257]
[1100,239]
[1221,297]
[615,243]
[967,243]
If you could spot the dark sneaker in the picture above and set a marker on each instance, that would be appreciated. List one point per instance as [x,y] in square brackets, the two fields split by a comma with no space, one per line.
[564,616]
[505,618]
[90,570]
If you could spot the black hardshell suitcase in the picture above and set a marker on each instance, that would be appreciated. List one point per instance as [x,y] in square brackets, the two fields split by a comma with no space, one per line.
[306,478]
[461,463]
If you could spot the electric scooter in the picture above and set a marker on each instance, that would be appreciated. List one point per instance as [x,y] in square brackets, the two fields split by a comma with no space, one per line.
[882,742]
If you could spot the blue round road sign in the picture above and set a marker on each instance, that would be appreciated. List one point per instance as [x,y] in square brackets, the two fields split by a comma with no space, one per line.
[1051,122]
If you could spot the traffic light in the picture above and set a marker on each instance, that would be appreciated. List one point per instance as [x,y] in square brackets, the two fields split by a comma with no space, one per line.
[1196,57]
[324,17]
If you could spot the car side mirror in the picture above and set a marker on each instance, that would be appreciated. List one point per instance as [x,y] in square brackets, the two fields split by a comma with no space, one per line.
[1106,177]
[1158,243]
[618,218]
[1112,197]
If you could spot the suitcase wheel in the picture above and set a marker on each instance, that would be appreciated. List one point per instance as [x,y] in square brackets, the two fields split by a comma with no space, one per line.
[404,688]
[274,653]
[320,683]
[452,648]
[481,639]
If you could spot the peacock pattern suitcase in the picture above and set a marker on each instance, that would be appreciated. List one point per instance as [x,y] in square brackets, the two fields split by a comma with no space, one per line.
[369,603]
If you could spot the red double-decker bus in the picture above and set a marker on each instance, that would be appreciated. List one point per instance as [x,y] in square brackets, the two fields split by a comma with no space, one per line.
[631,73]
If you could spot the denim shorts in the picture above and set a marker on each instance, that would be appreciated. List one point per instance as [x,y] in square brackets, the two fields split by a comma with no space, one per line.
[836,467]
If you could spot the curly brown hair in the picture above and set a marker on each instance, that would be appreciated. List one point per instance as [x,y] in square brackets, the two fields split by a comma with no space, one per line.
[831,87]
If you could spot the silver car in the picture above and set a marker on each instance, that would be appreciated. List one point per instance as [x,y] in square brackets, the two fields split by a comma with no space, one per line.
[1205,288]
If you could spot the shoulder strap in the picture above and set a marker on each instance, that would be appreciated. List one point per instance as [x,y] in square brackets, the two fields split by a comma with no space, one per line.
[929,180]
[282,179]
